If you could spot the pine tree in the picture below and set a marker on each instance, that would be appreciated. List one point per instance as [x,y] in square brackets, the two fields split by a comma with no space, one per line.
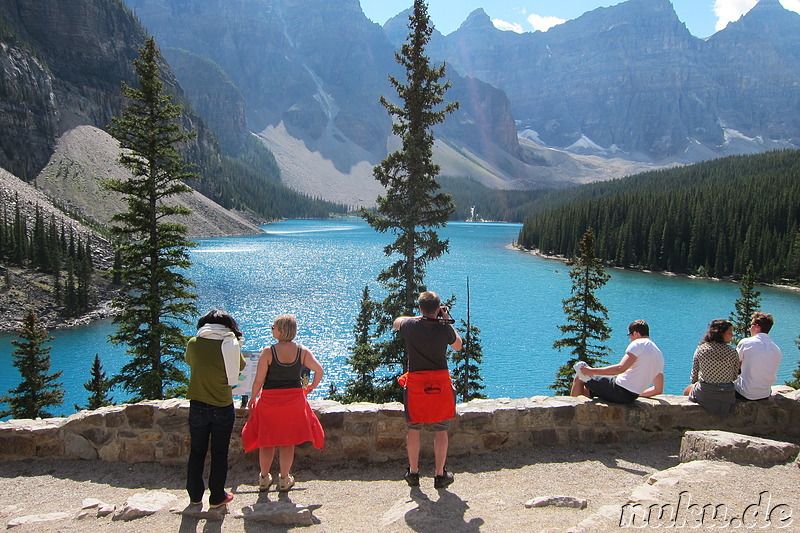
[586,330]
[156,295]
[413,207]
[98,387]
[746,305]
[364,359]
[466,370]
[38,389]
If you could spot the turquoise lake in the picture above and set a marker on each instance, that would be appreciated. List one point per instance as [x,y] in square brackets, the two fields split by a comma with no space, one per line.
[316,270]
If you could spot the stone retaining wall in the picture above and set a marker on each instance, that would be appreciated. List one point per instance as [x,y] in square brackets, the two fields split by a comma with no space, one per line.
[157,431]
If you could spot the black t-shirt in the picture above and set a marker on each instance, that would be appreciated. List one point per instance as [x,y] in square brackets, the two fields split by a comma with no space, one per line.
[426,343]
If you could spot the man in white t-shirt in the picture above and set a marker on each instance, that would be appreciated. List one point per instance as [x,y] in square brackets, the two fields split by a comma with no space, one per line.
[640,372]
[759,359]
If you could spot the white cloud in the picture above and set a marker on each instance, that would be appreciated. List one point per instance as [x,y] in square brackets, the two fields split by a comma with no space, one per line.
[507,26]
[792,5]
[544,23]
[730,11]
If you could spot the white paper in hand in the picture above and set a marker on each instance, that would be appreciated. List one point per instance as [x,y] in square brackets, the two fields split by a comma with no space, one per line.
[581,376]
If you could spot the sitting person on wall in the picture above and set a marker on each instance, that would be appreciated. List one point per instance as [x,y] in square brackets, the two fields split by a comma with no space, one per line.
[760,359]
[640,372]
[215,359]
[279,412]
[714,369]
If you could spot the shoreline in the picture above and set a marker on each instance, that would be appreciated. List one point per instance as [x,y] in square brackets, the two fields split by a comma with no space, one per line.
[103,311]
[563,259]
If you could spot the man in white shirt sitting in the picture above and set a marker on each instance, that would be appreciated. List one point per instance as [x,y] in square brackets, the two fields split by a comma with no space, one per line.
[759,359]
[640,372]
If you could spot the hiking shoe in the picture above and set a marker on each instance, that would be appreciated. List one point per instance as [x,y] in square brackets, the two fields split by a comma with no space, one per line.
[411,478]
[285,483]
[264,482]
[440,482]
[227,500]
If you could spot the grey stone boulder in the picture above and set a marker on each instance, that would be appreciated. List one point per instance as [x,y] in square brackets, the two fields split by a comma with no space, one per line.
[736,448]
[144,504]
[557,501]
[282,513]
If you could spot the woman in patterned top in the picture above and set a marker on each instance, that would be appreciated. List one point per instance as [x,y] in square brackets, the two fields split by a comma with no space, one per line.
[714,369]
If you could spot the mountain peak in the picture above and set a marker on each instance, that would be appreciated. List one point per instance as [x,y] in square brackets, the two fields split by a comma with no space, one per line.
[768,4]
[477,20]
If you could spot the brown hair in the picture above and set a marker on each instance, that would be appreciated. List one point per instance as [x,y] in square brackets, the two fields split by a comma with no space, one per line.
[286,326]
[640,327]
[763,320]
[429,302]
[716,331]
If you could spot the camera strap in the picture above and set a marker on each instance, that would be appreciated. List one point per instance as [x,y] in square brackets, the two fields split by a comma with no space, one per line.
[443,321]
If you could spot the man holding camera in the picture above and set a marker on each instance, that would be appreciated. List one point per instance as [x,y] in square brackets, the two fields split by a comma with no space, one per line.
[428,392]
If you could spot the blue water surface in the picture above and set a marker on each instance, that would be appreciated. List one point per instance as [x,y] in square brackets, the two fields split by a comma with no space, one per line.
[316,270]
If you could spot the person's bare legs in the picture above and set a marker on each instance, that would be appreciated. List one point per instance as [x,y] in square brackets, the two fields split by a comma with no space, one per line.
[578,388]
[265,456]
[286,458]
[440,444]
[413,446]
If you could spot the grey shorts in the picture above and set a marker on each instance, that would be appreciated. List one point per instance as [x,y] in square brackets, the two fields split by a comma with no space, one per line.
[444,425]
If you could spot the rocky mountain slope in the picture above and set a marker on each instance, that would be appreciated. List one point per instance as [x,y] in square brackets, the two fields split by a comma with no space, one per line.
[628,84]
[68,191]
[614,92]
[63,65]
[311,74]
[24,289]
[631,81]
[86,155]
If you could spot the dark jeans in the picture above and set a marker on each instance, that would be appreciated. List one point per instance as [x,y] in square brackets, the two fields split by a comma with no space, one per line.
[214,424]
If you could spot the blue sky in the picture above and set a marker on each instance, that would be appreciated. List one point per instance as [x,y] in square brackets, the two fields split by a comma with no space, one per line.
[702,17]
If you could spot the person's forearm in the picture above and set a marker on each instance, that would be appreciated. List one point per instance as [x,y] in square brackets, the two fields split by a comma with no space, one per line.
[256,389]
[611,370]
[316,381]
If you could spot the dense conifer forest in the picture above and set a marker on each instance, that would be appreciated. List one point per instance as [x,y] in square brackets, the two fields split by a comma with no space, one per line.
[711,218]
[51,248]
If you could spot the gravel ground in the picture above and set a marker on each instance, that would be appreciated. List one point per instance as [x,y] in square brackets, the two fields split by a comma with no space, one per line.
[488,495]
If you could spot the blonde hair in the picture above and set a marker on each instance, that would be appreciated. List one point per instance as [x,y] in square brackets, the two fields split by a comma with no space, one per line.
[286,326]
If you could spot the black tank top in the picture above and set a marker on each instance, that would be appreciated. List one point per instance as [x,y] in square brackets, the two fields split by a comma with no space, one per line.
[284,376]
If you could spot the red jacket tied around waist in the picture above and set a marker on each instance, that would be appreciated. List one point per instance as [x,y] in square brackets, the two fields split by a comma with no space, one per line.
[428,396]
[282,417]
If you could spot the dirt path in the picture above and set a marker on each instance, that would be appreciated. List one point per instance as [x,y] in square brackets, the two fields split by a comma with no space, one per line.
[488,495]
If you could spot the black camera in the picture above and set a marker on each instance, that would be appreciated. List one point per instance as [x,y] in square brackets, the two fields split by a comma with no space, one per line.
[440,316]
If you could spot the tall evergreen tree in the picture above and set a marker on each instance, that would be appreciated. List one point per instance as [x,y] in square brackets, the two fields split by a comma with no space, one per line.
[748,303]
[466,363]
[98,387]
[413,207]
[586,330]
[38,389]
[156,295]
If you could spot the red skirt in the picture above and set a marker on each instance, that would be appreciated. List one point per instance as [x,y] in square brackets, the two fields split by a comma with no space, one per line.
[428,396]
[282,417]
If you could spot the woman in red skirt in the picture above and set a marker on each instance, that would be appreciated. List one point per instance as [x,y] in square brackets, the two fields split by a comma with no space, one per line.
[280,416]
